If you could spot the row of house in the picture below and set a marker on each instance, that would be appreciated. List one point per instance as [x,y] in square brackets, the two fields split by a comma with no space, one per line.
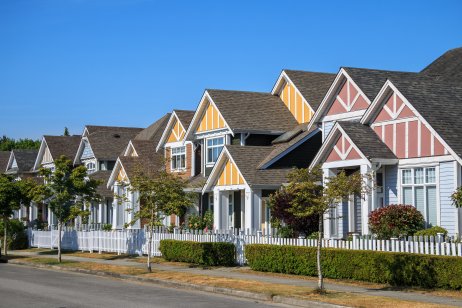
[237,147]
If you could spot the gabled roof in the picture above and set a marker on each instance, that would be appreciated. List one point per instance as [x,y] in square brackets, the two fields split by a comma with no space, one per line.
[361,136]
[102,189]
[247,159]
[184,117]
[253,111]
[439,103]
[370,81]
[108,143]
[154,131]
[366,140]
[312,85]
[25,160]
[280,149]
[4,157]
[90,129]
[62,145]
[447,67]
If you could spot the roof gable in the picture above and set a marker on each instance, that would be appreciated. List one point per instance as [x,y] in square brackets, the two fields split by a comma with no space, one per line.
[447,67]
[175,129]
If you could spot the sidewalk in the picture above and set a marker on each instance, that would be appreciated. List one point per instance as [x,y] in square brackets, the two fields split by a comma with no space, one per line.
[245,274]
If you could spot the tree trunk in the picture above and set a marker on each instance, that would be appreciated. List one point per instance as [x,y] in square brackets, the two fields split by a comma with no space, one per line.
[5,233]
[59,240]
[318,256]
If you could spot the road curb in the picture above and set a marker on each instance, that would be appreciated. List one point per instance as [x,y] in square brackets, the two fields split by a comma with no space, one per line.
[187,286]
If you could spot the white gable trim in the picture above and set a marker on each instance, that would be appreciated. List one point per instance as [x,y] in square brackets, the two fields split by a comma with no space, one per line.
[199,112]
[80,150]
[38,160]
[168,128]
[113,177]
[378,101]
[340,79]
[283,77]
[130,146]
[213,177]
[10,160]
[329,143]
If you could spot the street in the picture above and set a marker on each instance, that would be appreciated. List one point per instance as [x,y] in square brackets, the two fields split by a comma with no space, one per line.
[28,287]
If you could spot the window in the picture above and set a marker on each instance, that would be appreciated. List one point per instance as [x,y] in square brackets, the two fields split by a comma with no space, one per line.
[178,158]
[91,167]
[214,147]
[418,186]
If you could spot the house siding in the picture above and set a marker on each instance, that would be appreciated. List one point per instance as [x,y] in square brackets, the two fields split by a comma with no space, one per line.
[391,185]
[327,128]
[446,186]
[87,152]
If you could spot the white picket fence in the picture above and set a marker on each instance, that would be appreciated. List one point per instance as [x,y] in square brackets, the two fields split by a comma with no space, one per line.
[135,241]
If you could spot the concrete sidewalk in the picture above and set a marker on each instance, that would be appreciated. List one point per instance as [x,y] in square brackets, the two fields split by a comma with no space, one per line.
[237,273]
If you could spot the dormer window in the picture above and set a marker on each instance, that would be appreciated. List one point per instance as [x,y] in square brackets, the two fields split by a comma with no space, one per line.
[91,167]
[214,147]
[178,161]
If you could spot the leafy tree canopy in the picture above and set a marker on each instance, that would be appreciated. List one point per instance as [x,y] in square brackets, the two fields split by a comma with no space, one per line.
[8,144]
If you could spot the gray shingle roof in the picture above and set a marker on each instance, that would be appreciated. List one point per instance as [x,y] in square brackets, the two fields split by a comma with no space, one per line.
[440,104]
[185,117]
[366,140]
[107,144]
[154,131]
[248,158]
[312,85]
[25,160]
[103,176]
[370,81]
[63,145]
[95,128]
[279,148]
[447,67]
[4,157]
[253,111]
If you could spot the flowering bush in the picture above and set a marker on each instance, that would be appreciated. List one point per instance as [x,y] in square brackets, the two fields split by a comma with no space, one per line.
[196,222]
[395,220]
[433,231]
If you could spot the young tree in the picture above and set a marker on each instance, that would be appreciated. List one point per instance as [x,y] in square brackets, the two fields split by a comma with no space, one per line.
[9,201]
[310,197]
[66,191]
[160,194]
[66,132]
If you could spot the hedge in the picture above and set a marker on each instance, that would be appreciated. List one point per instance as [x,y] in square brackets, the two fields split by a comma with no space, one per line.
[205,253]
[399,269]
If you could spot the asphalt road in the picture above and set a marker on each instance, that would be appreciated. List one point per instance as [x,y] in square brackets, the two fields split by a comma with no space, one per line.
[27,287]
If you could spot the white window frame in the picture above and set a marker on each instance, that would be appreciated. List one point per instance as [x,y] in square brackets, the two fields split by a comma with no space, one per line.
[425,184]
[92,170]
[177,154]
[207,163]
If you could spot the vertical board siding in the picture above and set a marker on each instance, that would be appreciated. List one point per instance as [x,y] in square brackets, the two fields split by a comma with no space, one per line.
[327,128]
[211,120]
[447,211]
[296,104]
[391,185]
[87,152]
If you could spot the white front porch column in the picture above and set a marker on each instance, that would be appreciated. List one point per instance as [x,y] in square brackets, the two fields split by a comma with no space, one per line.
[243,220]
[50,216]
[136,208]
[248,209]
[115,206]
[257,204]
[327,173]
[366,204]
[216,209]
[224,209]
[100,213]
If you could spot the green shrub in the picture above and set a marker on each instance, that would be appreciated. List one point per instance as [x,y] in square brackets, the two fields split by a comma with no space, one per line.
[198,253]
[106,227]
[395,220]
[17,236]
[433,231]
[400,269]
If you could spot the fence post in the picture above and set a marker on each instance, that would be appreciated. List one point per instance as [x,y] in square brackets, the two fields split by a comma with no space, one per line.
[355,237]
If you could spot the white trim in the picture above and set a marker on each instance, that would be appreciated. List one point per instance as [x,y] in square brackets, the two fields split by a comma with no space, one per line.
[372,110]
[424,160]
[169,128]
[218,165]
[225,142]
[326,102]
[38,160]
[346,163]
[178,170]
[198,114]
[344,115]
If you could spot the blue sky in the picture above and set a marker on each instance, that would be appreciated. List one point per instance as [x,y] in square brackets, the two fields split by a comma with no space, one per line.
[126,63]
